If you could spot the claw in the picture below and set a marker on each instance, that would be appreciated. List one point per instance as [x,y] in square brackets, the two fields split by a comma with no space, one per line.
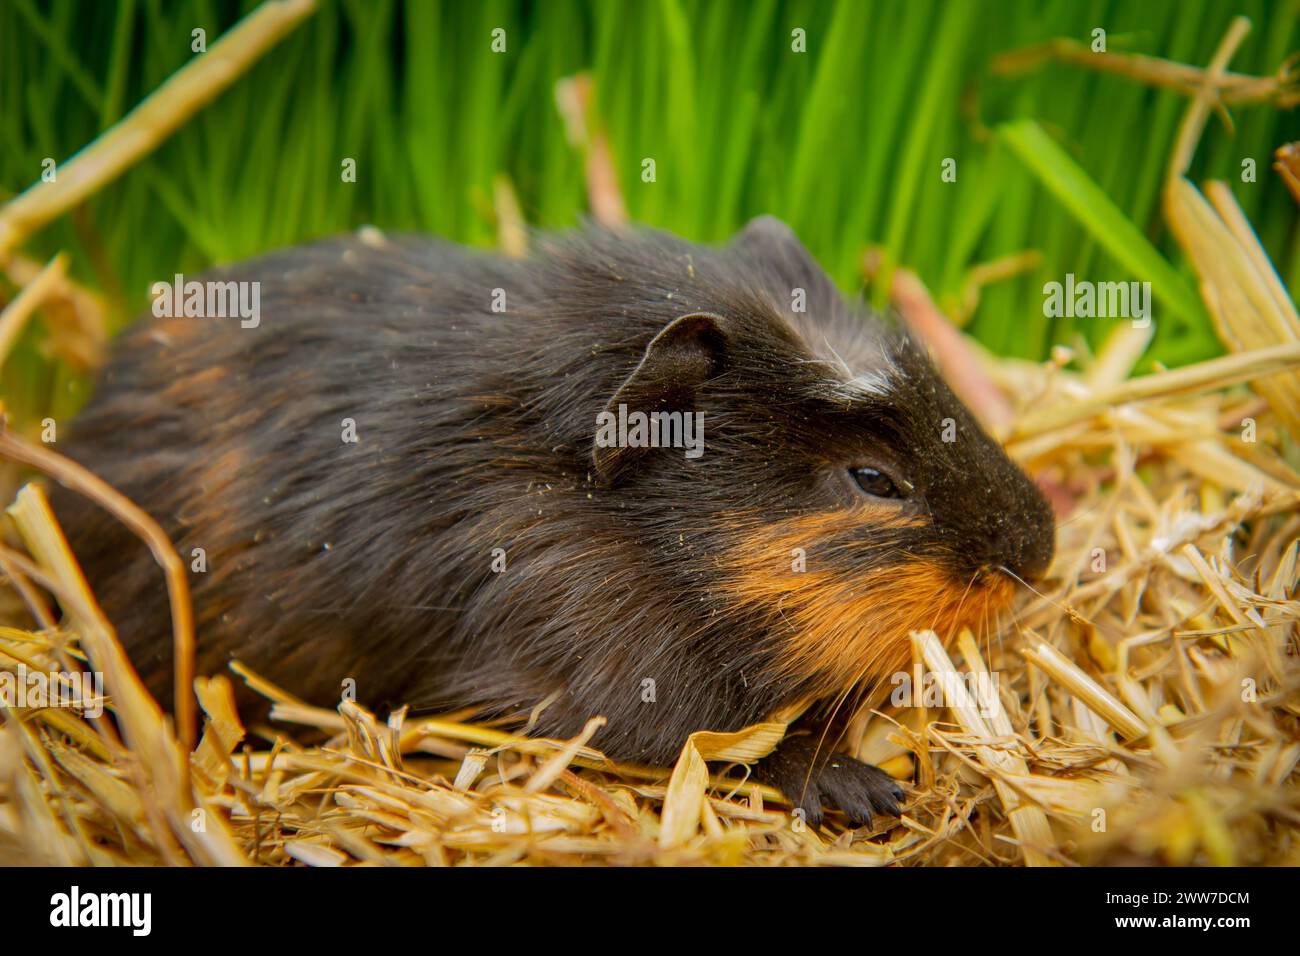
[857,789]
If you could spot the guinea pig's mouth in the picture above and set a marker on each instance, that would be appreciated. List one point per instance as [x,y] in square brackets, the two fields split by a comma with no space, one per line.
[839,629]
[1002,572]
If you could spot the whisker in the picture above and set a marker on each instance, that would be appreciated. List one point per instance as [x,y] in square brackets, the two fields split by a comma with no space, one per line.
[969,584]
[1065,608]
[1079,515]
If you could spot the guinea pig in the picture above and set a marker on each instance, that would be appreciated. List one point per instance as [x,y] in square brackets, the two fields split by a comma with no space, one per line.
[434,472]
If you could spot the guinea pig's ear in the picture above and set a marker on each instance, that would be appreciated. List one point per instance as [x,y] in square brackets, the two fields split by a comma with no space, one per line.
[687,352]
[768,239]
[770,247]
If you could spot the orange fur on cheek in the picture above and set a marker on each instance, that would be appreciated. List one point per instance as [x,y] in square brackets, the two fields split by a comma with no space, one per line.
[843,628]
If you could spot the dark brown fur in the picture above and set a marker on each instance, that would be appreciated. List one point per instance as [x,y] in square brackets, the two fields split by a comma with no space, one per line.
[372,561]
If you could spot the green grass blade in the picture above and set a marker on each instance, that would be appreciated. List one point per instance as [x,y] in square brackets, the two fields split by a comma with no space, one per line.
[1093,209]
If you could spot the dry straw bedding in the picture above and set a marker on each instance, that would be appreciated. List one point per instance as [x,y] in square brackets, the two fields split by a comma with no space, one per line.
[1145,712]
[1145,706]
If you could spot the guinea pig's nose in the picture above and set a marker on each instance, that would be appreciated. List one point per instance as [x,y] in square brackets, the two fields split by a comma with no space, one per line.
[1032,542]
[1034,561]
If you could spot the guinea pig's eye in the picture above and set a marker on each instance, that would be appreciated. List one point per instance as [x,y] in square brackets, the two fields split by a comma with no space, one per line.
[875,483]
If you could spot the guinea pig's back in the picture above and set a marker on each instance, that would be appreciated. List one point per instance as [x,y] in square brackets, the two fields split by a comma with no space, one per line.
[267,447]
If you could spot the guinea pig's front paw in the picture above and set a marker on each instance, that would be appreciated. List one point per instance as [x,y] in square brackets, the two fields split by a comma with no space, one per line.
[816,781]
[859,789]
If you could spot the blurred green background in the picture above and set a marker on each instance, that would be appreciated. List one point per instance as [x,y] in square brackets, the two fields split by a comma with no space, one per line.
[844,141]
